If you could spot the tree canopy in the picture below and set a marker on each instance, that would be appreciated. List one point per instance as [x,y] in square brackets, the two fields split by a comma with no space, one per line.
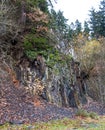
[97,21]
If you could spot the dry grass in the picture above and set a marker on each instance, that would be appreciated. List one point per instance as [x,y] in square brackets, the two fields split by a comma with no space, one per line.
[78,123]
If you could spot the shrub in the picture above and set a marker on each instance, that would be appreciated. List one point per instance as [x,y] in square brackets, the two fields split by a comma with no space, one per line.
[82,112]
[93,115]
[34,46]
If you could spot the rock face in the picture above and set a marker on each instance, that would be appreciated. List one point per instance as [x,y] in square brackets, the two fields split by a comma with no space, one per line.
[62,85]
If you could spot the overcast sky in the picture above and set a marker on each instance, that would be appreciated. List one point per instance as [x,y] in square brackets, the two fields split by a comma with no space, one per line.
[76,9]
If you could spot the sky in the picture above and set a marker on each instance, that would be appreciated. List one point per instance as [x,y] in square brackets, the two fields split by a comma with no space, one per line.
[76,9]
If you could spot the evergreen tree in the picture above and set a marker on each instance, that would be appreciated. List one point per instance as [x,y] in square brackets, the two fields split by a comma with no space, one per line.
[43,5]
[61,22]
[78,27]
[97,21]
[58,22]
[86,29]
[102,7]
[102,18]
[70,33]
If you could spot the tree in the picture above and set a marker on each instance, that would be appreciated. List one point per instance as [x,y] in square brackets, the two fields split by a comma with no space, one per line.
[78,27]
[86,29]
[61,22]
[7,11]
[70,34]
[58,23]
[102,7]
[43,5]
[102,18]
[97,21]
[51,2]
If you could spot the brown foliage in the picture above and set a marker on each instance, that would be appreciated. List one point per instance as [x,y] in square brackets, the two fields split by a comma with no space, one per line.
[38,16]
[40,19]
[12,76]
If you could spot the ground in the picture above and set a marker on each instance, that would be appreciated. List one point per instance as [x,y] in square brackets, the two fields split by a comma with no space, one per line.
[18,106]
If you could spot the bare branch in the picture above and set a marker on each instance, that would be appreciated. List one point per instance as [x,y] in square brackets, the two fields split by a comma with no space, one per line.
[7,10]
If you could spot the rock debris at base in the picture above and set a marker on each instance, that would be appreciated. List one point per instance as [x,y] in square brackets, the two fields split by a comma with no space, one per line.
[18,106]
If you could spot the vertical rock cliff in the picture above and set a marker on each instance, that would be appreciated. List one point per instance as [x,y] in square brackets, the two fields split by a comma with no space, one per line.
[63,84]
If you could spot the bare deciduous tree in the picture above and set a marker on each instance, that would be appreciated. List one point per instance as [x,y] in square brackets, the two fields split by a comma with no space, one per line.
[7,20]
